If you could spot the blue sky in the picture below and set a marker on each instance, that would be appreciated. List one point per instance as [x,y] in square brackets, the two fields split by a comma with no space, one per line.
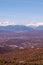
[21,11]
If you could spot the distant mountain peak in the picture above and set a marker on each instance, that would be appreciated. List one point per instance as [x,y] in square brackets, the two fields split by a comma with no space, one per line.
[15,28]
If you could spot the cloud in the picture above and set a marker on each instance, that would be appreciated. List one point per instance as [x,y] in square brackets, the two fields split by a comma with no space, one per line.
[35,24]
[6,23]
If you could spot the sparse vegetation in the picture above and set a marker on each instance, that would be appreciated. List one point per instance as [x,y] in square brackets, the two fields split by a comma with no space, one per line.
[12,54]
[11,58]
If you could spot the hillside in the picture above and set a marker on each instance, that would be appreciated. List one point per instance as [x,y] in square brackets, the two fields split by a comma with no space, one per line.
[24,57]
[21,47]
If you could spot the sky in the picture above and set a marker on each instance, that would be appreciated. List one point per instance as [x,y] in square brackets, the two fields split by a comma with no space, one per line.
[21,12]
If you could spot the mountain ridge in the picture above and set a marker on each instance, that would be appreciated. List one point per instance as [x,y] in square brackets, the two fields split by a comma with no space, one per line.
[15,28]
[20,28]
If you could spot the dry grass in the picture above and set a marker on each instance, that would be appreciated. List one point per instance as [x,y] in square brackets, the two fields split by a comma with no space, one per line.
[23,57]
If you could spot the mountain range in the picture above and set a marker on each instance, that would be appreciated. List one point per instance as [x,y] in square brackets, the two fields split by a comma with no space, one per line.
[20,28]
[20,37]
